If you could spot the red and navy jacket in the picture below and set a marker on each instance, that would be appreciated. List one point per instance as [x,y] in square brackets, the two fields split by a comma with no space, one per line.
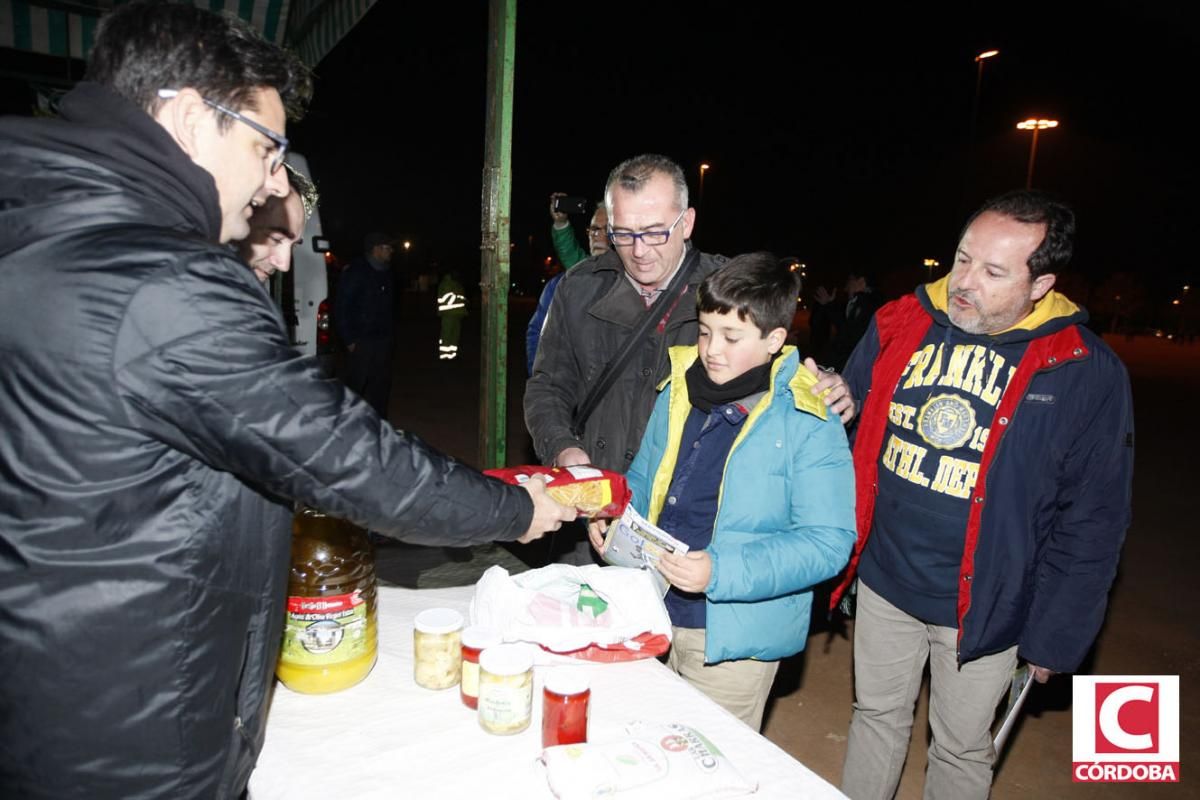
[1051,502]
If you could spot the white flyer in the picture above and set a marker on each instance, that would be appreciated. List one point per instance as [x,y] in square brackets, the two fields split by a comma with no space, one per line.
[633,541]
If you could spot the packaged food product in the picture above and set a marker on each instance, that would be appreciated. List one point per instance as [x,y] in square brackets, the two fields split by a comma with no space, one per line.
[475,640]
[656,762]
[329,637]
[505,688]
[437,648]
[594,492]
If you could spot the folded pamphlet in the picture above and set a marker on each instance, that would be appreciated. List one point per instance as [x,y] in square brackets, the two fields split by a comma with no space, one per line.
[633,541]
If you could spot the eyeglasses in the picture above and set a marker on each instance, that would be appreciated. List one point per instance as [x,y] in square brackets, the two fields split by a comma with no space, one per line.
[650,238]
[281,142]
[595,232]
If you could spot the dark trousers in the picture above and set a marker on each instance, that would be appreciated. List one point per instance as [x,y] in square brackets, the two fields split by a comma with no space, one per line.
[369,372]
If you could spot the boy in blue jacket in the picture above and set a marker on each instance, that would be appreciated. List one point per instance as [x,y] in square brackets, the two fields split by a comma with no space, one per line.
[743,463]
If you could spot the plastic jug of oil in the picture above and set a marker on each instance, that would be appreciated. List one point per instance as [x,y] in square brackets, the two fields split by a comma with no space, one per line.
[329,638]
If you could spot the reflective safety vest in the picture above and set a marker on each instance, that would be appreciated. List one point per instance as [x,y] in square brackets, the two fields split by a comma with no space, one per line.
[450,301]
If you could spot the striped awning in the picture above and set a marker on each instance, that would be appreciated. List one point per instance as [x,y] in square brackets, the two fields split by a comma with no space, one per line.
[67,27]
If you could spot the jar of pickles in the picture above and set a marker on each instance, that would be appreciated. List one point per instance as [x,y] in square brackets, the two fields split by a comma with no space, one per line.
[505,688]
[437,648]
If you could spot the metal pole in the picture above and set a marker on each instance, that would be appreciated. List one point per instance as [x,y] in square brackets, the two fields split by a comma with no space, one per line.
[975,102]
[1032,156]
[497,196]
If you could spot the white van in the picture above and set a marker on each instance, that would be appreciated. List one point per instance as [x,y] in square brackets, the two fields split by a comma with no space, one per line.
[302,292]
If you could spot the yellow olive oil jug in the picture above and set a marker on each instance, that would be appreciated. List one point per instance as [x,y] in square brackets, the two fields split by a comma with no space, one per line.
[330,635]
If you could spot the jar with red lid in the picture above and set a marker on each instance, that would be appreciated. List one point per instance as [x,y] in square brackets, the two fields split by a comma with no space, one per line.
[565,699]
[474,640]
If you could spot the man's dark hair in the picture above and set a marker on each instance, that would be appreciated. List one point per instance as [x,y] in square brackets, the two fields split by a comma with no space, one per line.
[1038,208]
[632,174]
[142,47]
[756,285]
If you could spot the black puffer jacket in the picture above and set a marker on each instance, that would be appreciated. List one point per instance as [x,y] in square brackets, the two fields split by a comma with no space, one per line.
[154,427]
[594,310]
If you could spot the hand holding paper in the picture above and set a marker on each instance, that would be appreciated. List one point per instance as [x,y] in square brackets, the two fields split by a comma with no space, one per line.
[688,572]
[633,541]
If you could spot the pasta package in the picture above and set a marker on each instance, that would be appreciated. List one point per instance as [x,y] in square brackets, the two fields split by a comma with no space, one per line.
[594,492]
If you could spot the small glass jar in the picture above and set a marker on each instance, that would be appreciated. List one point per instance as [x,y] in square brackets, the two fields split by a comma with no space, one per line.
[505,689]
[475,640]
[437,648]
[565,697]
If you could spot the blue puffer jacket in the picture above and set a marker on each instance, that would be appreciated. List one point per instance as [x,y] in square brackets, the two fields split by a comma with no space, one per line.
[785,516]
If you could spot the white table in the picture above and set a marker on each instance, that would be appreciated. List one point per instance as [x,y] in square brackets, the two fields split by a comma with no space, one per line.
[388,737]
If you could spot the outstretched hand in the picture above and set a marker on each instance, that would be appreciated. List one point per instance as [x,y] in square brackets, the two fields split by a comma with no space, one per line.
[548,514]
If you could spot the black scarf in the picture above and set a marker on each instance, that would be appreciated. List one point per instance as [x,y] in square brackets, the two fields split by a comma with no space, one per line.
[704,394]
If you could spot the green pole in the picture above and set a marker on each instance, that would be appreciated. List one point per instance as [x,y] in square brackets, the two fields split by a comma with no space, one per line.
[497,195]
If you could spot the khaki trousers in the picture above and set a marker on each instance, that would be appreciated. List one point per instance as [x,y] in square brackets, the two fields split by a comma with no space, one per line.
[740,687]
[890,651]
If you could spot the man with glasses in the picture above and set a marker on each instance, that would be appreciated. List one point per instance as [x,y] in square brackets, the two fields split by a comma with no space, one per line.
[157,425]
[597,306]
[569,254]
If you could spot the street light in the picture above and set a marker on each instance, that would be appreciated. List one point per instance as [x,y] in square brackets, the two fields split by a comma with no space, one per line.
[703,169]
[930,264]
[979,59]
[1037,126]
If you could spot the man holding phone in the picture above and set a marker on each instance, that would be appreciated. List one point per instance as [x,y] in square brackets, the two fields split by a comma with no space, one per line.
[566,246]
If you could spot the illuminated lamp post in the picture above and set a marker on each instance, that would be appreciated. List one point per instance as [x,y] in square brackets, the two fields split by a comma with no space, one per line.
[979,59]
[1037,126]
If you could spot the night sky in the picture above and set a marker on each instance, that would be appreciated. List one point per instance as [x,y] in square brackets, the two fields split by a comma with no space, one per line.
[841,137]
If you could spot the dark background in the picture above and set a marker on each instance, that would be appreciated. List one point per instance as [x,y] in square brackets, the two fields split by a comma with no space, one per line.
[841,136]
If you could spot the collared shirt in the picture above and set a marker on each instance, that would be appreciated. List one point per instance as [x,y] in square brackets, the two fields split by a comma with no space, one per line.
[690,510]
[650,295]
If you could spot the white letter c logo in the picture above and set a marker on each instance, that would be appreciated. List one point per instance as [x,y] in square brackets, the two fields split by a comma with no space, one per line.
[1110,726]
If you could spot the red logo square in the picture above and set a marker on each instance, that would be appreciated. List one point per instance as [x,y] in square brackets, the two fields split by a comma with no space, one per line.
[1127,719]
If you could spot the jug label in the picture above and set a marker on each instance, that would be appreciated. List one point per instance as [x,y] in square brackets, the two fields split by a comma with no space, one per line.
[325,630]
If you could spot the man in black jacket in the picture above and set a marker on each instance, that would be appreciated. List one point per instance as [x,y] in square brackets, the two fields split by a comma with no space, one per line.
[157,425]
[363,315]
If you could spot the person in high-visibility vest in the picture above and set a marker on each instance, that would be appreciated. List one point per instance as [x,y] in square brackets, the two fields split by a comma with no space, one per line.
[452,307]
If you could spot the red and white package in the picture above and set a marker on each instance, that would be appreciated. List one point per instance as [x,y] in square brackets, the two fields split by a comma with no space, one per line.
[594,492]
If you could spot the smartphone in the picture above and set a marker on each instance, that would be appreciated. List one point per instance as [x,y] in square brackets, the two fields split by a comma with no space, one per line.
[570,205]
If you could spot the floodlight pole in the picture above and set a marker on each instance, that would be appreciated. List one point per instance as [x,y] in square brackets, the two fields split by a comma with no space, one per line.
[496,253]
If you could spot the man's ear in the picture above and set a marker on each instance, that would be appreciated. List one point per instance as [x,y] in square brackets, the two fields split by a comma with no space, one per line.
[185,116]
[688,222]
[775,339]
[1040,286]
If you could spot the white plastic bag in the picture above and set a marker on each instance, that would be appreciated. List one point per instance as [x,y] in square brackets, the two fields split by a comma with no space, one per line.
[541,606]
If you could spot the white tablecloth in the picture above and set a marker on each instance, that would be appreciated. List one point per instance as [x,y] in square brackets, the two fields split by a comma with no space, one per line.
[388,737]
